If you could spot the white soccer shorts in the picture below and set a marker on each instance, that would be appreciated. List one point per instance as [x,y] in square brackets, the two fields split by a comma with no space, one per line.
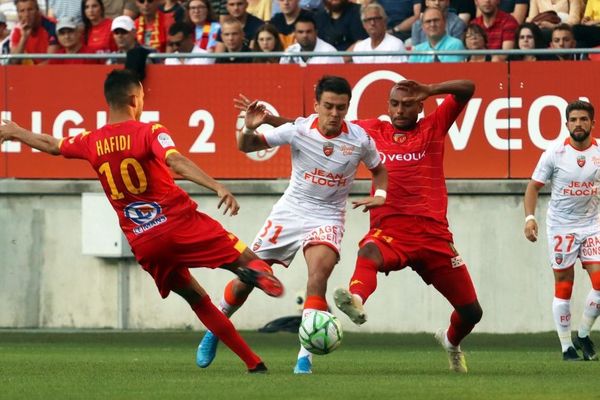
[566,246]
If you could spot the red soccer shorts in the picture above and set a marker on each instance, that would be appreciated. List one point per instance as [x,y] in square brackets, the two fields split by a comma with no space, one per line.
[426,246]
[198,242]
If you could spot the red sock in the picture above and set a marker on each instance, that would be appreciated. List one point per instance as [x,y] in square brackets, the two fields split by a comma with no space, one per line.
[220,325]
[364,280]
[458,329]
[315,303]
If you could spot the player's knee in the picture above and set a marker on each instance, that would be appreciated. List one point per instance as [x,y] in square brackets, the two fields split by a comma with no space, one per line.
[472,313]
[369,251]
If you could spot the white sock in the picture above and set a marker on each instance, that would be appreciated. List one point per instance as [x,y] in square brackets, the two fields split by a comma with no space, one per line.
[591,311]
[358,299]
[561,309]
[449,346]
[227,308]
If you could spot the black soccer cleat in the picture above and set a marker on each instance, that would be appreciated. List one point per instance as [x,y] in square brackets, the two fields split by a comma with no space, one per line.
[260,368]
[587,348]
[571,355]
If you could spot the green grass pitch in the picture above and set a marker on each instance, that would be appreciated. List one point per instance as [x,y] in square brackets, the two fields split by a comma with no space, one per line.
[160,365]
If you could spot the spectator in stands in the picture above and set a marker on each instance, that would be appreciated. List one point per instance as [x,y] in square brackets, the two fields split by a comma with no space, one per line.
[465,9]
[200,14]
[567,11]
[374,21]
[151,26]
[305,33]
[563,38]
[587,34]
[499,26]
[261,9]
[402,14]
[116,8]
[124,34]
[238,9]
[517,8]
[455,26]
[476,39]
[173,11]
[180,40]
[267,40]
[4,31]
[232,34]
[434,25]
[284,21]
[69,38]
[61,9]
[34,33]
[338,23]
[97,35]
[309,5]
[529,36]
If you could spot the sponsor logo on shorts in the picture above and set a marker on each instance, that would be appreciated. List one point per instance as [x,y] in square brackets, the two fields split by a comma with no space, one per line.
[146,215]
[328,148]
[457,261]
[581,161]
[256,245]
[558,258]
[165,140]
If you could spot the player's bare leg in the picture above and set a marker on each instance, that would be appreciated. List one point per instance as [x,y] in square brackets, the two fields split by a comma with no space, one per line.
[235,294]
[218,323]
[362,284]
[590,314]
[320,260]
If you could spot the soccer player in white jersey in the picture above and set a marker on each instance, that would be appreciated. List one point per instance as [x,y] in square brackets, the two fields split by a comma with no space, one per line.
[573,225]
[326,152]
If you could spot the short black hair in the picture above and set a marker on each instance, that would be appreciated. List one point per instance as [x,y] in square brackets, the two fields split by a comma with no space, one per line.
[580,105]
[118,86]
[306,18]
[183,27]
[334,84]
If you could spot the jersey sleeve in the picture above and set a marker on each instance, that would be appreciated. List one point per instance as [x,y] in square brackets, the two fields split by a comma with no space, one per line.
[75,146]
[447,112]
[370,155]
[161,142]
[544,168]
[283,134]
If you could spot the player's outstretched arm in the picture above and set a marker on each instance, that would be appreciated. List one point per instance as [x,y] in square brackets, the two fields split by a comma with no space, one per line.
[46,143]
[380,180]
[185,167]
[461,89]
[248,140]
[242,102]
[530,202]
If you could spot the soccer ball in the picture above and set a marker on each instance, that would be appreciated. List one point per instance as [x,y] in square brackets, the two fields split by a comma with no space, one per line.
[320,332]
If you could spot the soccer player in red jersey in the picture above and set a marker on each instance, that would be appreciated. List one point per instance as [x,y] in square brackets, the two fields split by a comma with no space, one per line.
[166,233]
[411,228]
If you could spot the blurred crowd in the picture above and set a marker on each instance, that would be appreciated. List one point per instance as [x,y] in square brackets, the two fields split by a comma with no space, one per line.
[296,27]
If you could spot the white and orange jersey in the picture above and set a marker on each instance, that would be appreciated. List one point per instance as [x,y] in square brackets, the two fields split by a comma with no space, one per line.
[575,176]
[323,168]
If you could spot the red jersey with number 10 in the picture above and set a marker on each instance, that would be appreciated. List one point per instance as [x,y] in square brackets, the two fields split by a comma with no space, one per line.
[129,158]
[415,163]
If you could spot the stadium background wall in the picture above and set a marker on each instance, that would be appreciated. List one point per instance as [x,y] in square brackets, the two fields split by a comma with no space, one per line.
[47,283]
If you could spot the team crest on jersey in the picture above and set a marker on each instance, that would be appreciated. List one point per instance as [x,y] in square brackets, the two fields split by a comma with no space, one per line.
[257,245]
[558,258]
[581,161]
[328,148]
[399,137]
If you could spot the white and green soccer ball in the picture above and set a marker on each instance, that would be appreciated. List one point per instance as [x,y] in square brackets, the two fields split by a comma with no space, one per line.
[320,332]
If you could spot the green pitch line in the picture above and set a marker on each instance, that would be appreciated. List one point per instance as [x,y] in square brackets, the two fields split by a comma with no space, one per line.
[160,365]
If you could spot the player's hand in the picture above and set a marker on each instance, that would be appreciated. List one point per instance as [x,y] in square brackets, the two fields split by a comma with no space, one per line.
[256,115]
[531,230]
[368,203]
[241,102]
[418,91]
[228,201]
[8,130]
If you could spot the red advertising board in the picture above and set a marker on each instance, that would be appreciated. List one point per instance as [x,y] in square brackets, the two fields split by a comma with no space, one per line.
[513,115]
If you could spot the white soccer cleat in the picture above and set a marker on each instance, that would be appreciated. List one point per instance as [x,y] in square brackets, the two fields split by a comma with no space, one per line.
[350,305]
[456,358]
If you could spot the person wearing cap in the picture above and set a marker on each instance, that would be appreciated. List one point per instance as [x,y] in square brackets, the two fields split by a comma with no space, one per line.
[34,33]
[123,31]
[97,33]
[69,38]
